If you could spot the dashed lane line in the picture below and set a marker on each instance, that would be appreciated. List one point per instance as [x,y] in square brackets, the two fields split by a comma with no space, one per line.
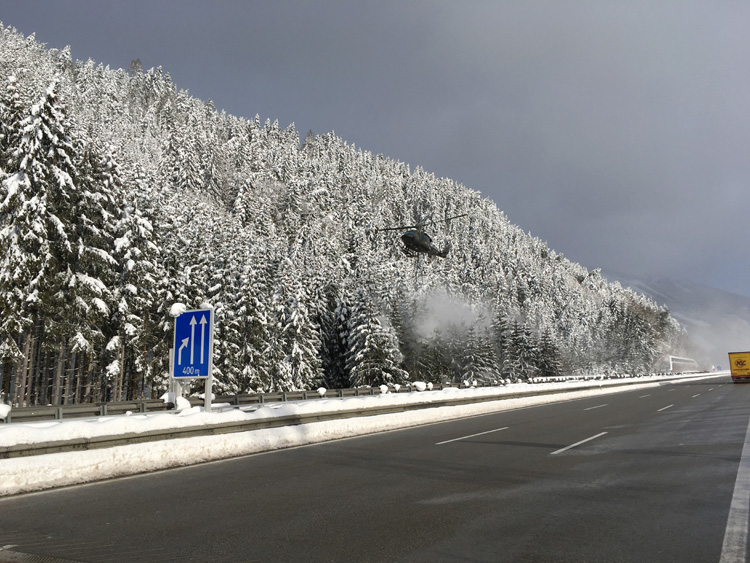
[471,436]
[565,449]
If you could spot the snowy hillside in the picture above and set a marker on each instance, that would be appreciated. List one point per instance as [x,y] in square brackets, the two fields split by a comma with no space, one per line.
[121,195]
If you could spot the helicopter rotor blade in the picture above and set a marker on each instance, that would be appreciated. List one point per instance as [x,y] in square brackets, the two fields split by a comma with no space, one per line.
[451,218]
[446,220]
[377,230]
[418,225]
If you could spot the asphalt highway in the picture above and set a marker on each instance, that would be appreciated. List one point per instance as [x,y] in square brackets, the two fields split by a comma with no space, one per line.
[645,475]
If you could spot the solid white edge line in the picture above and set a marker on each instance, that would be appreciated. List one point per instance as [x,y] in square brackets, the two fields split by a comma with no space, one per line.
[472,435]
[577,443]
[735,536]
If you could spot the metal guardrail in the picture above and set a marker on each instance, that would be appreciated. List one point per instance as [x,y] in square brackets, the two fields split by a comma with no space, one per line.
[88,410]
[83,444]
[85,410]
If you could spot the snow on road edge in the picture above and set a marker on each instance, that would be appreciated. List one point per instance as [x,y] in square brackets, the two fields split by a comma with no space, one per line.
[36,473]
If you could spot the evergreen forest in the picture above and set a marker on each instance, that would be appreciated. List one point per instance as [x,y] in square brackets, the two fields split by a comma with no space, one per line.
[121,195]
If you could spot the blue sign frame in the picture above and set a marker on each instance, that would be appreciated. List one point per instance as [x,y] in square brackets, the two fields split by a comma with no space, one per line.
[193,344]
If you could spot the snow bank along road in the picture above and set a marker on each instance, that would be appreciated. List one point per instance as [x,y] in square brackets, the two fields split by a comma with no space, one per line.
[131,455]
[646,474]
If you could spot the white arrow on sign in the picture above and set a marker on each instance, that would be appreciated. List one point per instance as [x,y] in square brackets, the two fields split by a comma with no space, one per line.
[193,322]
[179,352]
[203,327]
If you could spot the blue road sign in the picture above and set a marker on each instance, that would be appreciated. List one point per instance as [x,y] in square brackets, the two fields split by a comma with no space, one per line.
[193,344]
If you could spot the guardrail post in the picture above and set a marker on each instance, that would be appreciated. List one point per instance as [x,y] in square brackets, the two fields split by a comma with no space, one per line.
[283,396]
[142,406]
[260,398]
[103,408]
[236,400]
[59,413]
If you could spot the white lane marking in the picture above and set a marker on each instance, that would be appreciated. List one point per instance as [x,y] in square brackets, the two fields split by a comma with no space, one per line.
[665,408]
[577,443]
[698,395]
[596,407]
[670,389]
[735,536]
[644,396]
[472,435]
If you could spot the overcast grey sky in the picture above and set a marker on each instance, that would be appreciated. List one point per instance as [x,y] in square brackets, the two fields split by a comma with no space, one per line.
[618,132]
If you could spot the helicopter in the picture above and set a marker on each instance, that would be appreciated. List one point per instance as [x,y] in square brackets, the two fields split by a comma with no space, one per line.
[416,241]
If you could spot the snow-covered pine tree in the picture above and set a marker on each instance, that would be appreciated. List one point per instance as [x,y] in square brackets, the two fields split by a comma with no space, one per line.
[11,115]
[333,322]
[373,356]
[521,354]
[434,360]
[92,272]
[36,215]
[134,292]
[254,369]
[482,345]
[420,360]
[549,363]
[299,364]
[500,335]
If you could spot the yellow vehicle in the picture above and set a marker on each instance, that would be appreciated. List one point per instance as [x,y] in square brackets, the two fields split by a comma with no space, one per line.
[739,365]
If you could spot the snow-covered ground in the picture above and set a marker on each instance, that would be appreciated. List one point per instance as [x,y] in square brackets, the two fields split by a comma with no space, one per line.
[33,473]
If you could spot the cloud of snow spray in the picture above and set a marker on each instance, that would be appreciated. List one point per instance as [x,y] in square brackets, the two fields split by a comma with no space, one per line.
[440,311]
[716,333]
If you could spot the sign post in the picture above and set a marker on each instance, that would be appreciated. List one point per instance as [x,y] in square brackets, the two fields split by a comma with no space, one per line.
[194,347]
